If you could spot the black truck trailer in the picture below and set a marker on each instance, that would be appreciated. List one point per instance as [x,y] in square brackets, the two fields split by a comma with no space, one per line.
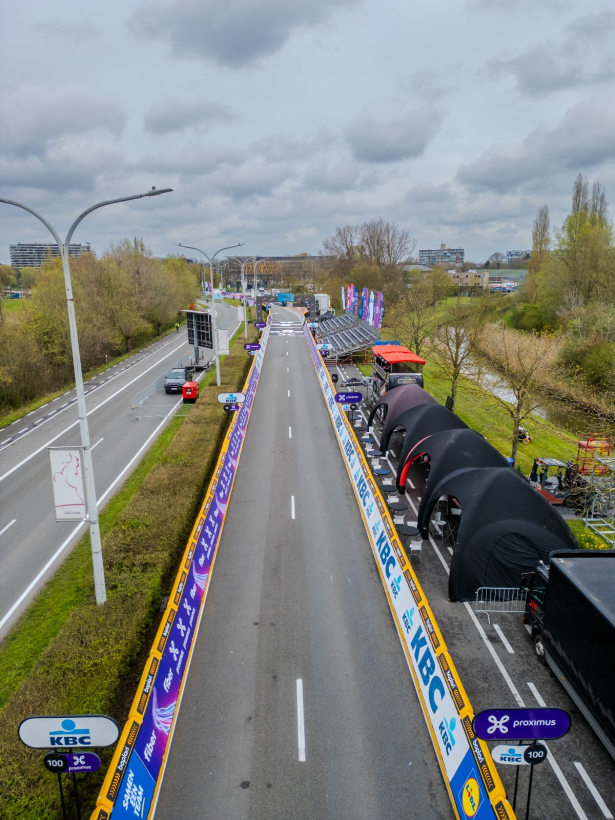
[570,611]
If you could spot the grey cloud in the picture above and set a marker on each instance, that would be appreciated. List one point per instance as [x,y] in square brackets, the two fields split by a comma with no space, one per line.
[194,161]
[33,119]
[73,168]
[234,33]
[387,131]
[590,27]
[584,139]
[426,85]
[539,72]
[173,115]
[79,31]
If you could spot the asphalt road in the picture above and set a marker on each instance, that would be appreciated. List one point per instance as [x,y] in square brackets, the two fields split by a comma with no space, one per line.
[497,666]
[295,596]
[31,542]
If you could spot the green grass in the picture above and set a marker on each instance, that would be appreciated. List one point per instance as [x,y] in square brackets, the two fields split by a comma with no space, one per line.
[13,305]
[68,656]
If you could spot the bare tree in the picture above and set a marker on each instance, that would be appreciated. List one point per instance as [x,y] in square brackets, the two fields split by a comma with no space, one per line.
[523,361]
[454,341]
[343,242]
[541,240]
[411,318]
[385,243]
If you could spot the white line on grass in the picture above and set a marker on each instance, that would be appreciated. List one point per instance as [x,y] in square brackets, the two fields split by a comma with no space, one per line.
[300,721]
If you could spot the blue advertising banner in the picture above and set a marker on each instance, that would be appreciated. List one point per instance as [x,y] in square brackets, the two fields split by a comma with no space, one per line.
[137,767]
[473,783]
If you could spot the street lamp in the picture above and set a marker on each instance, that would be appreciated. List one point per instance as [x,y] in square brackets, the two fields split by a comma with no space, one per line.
[243,293]
[255,265]
[88,469]
[214,333]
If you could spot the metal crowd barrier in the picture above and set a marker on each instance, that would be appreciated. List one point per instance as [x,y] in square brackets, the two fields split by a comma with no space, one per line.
[159,411]
[492,600]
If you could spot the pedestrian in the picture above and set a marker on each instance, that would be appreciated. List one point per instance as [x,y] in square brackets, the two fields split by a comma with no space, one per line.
[177,327]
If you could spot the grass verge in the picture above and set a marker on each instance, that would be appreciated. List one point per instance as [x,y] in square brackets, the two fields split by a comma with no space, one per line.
[68,656]
[478,409]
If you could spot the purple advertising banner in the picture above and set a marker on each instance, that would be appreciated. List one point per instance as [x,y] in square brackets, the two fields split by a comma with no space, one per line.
[144,766]
[365,304]
[378,311]
[521,724]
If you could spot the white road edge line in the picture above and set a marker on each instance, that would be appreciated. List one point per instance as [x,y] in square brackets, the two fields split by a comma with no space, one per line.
[292,508]
[93,410]
[594,791]
[300,721]
[504,639]
[289,394]
[10,524]
[290,432]
[97,443]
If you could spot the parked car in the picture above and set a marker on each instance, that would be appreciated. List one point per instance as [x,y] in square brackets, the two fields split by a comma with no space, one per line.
[175,380]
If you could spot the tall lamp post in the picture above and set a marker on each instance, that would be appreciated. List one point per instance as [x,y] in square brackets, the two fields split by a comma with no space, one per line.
[88,470]
[214,332]
[255,264]
[243,293]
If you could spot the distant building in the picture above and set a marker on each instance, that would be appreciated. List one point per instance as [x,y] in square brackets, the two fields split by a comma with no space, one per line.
[470,278]
[445,255]
[512,255]
[35,254]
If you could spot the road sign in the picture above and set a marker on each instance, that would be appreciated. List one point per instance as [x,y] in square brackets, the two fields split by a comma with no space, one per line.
[199,328]
[535,754]
[312,324]
[509,755]
[232,408]
[348,398]
[260,325]
[324,346]
[55,762]
[231,398]
[252,346]
[68,731]
[521,724]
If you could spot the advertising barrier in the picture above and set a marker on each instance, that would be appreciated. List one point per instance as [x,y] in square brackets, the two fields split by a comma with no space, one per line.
[132,782]
[472,781]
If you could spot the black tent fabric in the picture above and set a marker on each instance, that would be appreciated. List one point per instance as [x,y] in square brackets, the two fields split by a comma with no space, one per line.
[399,399]
[450,451]
[419,423]
[506,528]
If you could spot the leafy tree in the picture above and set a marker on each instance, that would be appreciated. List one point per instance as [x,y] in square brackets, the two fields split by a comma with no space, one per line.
[7,276]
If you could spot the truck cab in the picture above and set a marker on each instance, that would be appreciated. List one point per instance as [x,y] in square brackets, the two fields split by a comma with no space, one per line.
[536,584]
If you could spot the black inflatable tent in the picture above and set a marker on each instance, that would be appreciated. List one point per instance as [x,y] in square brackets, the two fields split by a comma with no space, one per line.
[420,422]
[450,452]
[401,398]
[506,528]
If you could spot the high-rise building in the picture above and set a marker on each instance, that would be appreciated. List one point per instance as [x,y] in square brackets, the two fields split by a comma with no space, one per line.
[35,254]
[445,255]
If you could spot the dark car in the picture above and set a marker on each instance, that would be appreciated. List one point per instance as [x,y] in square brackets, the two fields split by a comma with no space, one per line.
[175,380]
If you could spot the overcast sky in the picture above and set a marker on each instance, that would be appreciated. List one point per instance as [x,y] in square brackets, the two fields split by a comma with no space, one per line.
[275,121]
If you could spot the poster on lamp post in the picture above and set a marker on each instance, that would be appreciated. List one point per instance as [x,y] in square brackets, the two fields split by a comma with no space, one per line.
[67,479]
[223,349]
